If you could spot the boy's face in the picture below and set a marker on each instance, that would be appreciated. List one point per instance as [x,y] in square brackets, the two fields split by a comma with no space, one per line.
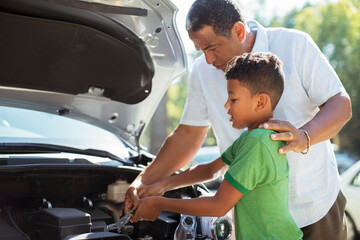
[241,105]
[218,50]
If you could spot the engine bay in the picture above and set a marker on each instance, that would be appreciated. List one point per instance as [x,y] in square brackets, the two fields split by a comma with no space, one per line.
[54,201]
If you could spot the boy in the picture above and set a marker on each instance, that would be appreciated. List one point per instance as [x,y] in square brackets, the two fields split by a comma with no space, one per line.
[256,182]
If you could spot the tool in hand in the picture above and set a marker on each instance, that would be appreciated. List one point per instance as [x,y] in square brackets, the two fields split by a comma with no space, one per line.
[121,222]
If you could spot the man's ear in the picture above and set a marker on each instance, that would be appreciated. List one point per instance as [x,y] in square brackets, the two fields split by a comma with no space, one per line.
[263,100]
[239,31]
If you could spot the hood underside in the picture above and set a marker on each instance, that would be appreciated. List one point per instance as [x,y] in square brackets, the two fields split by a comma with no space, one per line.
[104,62]
[71,50]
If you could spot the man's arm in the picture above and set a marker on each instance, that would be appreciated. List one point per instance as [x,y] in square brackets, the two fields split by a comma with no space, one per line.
[199,173]
[177,151]
[225,198]
[331,118]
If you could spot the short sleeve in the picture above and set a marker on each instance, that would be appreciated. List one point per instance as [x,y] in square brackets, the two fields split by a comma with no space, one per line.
[195,111]
[252,166]
[230,153]
[318,77]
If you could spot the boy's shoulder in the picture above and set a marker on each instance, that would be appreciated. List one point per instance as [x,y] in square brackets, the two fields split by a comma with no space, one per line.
[263,135]
[260,133]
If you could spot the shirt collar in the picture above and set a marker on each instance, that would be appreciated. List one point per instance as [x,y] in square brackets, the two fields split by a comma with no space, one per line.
[261,41]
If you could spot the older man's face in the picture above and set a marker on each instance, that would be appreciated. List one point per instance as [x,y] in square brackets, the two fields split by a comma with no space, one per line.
[218,50]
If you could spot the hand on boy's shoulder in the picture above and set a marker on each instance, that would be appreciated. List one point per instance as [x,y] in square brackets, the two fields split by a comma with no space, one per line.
[295,138]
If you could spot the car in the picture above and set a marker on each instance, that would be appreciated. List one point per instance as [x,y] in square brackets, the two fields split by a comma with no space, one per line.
[344,159]
[351,188]
[79,82]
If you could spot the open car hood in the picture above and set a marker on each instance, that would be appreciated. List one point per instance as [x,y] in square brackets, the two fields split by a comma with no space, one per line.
[105,62]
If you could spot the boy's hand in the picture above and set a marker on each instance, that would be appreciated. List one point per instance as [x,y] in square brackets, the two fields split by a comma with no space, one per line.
[295,138]
[146,209]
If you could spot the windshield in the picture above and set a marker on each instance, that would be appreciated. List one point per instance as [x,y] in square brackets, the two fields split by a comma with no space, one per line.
[28,126]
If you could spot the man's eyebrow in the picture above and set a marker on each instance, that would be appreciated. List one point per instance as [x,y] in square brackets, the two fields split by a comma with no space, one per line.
[210,46]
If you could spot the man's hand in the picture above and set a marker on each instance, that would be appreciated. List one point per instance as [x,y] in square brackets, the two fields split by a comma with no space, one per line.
[155,189]
[139,190]
[130,197]
[132,194]
[295,138]
[146,209]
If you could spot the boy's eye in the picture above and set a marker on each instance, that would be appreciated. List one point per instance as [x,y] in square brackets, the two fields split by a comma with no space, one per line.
[233,100]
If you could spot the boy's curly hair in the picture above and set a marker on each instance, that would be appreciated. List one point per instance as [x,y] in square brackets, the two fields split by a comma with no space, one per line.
[260,73]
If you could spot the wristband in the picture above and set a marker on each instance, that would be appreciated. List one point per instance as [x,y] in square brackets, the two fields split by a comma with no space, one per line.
[307,142]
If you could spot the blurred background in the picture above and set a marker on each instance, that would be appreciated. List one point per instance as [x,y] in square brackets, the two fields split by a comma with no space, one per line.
[334,26]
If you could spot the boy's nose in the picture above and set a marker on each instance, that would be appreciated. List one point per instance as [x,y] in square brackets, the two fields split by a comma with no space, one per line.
[227,106]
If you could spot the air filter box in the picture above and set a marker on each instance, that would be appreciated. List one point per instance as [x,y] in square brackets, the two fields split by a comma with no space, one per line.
[57,223]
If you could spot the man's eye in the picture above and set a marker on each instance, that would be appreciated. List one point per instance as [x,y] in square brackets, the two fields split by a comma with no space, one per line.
[233,100]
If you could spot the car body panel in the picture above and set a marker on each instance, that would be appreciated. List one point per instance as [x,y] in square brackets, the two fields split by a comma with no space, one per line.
[351,188]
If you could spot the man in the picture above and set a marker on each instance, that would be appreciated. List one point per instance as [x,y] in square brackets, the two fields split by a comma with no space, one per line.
[256,183]
[313,109]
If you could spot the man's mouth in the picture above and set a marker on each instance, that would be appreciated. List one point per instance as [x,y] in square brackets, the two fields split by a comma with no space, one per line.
[220,67]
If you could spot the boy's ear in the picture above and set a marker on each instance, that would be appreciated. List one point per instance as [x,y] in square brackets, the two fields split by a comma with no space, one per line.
[263,100]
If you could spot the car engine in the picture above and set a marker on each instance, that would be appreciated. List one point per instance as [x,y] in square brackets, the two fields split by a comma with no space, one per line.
[58,202]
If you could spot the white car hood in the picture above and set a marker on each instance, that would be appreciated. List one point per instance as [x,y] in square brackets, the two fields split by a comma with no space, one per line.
[105,62]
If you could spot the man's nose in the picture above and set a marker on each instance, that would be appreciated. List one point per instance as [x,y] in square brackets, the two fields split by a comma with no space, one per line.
[210,57]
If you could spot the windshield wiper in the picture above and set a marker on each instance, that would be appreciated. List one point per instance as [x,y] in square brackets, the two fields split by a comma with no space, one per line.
[14,148]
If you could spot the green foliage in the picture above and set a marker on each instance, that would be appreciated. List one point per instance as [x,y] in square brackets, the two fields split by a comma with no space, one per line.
[335,27]
[176,101]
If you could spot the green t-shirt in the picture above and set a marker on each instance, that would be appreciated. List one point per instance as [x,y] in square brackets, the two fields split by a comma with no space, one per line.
[259,172]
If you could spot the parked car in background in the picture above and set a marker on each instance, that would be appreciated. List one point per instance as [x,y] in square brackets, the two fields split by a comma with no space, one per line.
[351,188]
[344,161]
[79,81]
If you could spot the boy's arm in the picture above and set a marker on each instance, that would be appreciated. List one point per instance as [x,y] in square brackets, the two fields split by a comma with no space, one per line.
[197,174]
[225,198]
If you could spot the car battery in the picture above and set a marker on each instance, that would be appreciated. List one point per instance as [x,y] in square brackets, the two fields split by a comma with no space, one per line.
[57,223]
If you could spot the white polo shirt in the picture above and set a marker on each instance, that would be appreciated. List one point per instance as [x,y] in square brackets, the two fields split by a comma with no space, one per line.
[314,182]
